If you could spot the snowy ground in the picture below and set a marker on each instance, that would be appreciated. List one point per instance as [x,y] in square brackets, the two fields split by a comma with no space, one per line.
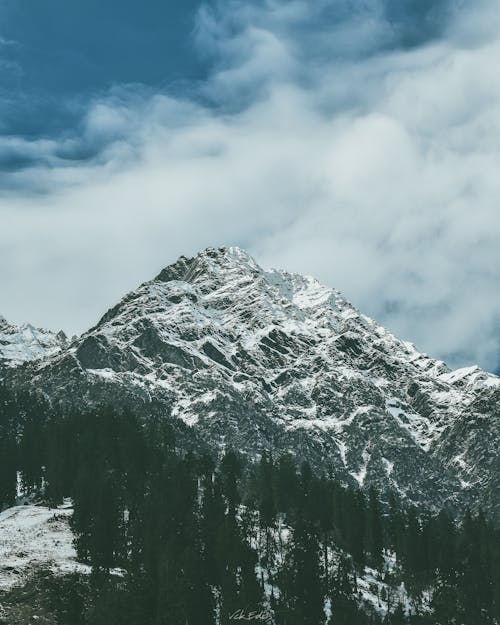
[33,536]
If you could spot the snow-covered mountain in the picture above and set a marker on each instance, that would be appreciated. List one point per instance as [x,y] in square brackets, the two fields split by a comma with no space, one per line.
[253,359]
[19,344]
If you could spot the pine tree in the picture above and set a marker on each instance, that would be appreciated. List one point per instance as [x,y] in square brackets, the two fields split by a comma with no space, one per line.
[342,593]
[413,549]
[8,455]
[398,617]
[444,545]
[54,464]
[445,603]
[230,471]
[107,543]
[302,587]
[356,528]
[211,522]
[193,534]
[198,598]
[31,449]
[287,484]
[324,495]
[375,537]
[396,525]
[266,500]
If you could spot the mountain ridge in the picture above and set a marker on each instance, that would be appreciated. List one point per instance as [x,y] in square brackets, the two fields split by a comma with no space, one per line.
[266,360]
[23,343]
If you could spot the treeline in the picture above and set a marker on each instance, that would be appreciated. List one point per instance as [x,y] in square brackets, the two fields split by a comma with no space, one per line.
[178,538]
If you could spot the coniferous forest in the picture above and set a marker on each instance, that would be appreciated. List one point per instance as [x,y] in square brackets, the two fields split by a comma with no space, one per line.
[177,537]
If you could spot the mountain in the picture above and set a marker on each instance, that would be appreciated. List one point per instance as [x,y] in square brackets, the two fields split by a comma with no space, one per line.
[253,359]
[24,343]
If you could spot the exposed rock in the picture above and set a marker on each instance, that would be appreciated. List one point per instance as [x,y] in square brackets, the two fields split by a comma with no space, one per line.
[268,360]
[25,343]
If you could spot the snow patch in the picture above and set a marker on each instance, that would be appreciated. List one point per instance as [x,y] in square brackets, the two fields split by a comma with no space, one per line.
[389,466]
[32,536]
[361,474]
[24,343]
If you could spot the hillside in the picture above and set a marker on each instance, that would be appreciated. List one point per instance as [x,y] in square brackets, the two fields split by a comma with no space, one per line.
[251,359]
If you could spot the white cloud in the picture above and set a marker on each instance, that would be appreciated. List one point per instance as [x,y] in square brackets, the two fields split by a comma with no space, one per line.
[377,175]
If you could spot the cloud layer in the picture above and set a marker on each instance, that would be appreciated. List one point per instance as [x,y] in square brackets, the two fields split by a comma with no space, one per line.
[360,147]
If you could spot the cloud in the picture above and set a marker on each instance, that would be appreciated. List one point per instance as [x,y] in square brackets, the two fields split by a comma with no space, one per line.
[374,170]
[57,57]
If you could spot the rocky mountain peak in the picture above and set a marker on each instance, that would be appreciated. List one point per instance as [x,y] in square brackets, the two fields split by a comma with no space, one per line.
[259,359]
[210,265]
[24,343]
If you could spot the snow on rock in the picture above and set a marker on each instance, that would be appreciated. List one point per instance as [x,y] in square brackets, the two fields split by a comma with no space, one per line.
[361,474]
[33,536]
[261,359]
[389,466]
[381,597]
[470,378]
[19,344]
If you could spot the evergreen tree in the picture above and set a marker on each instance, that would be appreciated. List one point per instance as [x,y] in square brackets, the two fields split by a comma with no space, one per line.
[302,588]
[266,500]
[31,445]
[286,484]
[375,537]
[356,528]
[200,541]
[107,543]
[54,465]
[444,545]
[230,471]
[8,447]
[343,595]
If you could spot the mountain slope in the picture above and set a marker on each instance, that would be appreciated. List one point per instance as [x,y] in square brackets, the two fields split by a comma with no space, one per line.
[257,359]
[24,343]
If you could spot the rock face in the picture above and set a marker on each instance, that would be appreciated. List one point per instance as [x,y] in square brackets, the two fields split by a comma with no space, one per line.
[20,344]
[261,360]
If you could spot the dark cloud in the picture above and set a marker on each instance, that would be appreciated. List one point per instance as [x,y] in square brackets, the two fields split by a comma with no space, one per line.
[331,28]
[66,46]
[58,57]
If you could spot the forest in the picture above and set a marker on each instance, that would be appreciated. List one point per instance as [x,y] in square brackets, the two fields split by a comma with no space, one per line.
[182,537]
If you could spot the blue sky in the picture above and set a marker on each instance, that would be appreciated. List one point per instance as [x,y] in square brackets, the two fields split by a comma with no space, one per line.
[355,141]
[59,56]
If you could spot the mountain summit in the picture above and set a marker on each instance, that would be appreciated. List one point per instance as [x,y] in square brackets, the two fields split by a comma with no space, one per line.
[254,359]
[24,343]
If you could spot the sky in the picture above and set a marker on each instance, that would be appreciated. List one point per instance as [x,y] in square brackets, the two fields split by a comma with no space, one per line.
[358,142]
